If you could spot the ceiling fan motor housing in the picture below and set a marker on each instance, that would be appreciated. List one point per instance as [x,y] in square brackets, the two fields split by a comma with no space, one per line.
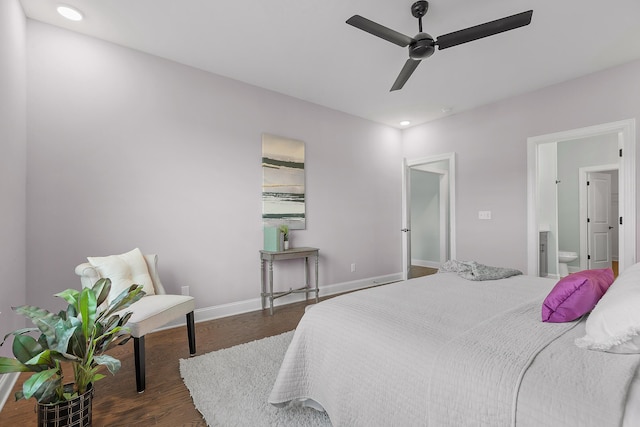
[422,47]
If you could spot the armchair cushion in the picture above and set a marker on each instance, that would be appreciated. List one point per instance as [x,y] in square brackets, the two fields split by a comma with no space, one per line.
[124,270]
[152,312]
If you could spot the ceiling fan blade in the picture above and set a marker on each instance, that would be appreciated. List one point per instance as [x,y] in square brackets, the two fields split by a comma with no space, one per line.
[379,30]
[484,30]
[408,69]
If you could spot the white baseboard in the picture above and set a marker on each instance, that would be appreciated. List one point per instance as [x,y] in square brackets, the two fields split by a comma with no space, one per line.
[254,304]
[7,381]
[425,263]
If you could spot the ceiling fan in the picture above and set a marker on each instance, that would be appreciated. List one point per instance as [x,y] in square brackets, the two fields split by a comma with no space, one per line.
[423,45]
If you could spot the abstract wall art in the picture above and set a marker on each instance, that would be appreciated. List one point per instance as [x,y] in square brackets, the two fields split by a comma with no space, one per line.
[283,192]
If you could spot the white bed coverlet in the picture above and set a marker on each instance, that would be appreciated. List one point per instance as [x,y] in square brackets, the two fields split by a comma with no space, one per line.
[368,358]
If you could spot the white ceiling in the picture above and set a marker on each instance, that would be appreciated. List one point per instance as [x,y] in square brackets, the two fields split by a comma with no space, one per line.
[304,48]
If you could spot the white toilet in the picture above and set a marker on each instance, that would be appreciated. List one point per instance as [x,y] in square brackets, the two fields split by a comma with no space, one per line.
[565,257]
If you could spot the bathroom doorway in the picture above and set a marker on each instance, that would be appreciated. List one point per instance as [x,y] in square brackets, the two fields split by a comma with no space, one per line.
[551,185]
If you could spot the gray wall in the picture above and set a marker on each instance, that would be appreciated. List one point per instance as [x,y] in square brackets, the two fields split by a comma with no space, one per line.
[127,149]
[12,166]
[491,147]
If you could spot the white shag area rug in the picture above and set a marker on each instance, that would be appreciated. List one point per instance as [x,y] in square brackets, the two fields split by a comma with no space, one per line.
[230,387]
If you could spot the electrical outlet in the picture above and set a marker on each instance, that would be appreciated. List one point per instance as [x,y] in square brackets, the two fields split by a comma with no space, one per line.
[353,267]
[484,214]
[185,290]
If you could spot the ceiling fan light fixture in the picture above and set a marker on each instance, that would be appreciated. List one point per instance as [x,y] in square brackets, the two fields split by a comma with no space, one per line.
[71,13]
[423,45]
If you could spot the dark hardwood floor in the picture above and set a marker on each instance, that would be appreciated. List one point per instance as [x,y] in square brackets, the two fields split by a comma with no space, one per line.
[417,271]
[166,401]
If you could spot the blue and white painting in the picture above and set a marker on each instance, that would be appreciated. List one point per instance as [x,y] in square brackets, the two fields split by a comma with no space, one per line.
[283,199]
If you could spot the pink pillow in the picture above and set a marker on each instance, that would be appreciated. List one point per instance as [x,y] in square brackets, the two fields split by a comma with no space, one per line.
[575,295]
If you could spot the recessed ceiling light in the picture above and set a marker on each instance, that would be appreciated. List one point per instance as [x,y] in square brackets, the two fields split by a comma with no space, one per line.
[70,13]
[405,123]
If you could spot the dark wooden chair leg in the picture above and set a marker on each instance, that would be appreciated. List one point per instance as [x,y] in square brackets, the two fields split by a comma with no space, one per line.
[138,350]
[191,333]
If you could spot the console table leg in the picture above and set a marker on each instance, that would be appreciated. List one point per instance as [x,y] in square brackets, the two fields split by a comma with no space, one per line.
[263,287]
[271,287]
[306,278]
[317,290]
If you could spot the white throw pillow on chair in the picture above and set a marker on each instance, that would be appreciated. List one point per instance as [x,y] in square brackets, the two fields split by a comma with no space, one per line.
[124,270]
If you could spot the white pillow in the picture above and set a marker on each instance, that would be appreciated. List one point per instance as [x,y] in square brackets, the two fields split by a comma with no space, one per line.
[124,270]
[614,324]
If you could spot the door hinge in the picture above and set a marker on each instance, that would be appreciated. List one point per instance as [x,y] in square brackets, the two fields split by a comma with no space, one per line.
[620,220]
[620,152]
[588,219]
[588,183]
[588,256]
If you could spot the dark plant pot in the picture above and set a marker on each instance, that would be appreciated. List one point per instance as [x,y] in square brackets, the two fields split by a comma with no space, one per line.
[72,413]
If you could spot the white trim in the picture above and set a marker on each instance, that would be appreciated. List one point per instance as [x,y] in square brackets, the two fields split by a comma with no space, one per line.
[626,130]
[254,304]
[7,382]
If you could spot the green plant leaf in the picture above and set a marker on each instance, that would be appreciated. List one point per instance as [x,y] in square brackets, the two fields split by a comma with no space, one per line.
[8,364]
[49,392]
[126,298]
[125,318]
[31,385]
[112,364]
[25,347]
[18,332]
[70,296]
[44,320]
[87,310]
[42,358]
[102,288]
[64,331]
[119,340]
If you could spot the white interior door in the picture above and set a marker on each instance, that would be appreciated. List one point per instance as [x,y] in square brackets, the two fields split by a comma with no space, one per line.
[599,220]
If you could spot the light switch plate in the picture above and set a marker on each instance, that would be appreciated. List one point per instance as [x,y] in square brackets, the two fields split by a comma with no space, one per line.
[484,214]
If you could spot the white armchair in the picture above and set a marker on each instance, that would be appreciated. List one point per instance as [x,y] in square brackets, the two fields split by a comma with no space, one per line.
[149,313]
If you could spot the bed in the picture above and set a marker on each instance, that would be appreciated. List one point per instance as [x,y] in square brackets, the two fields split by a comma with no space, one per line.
[445,351]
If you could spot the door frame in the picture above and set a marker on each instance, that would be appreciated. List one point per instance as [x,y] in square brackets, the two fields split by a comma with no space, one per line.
[406,206]
[626,131]
[583,173]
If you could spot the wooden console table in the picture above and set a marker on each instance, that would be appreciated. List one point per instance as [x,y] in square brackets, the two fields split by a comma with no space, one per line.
[269,257]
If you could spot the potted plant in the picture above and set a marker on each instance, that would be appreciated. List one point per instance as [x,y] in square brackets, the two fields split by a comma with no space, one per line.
[79,336]
[284,229]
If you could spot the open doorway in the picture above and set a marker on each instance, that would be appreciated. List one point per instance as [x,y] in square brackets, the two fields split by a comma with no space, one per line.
[548,188]
[428,214]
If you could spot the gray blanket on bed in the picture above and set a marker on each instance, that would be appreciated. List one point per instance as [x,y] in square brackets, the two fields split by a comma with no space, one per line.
[472,270]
